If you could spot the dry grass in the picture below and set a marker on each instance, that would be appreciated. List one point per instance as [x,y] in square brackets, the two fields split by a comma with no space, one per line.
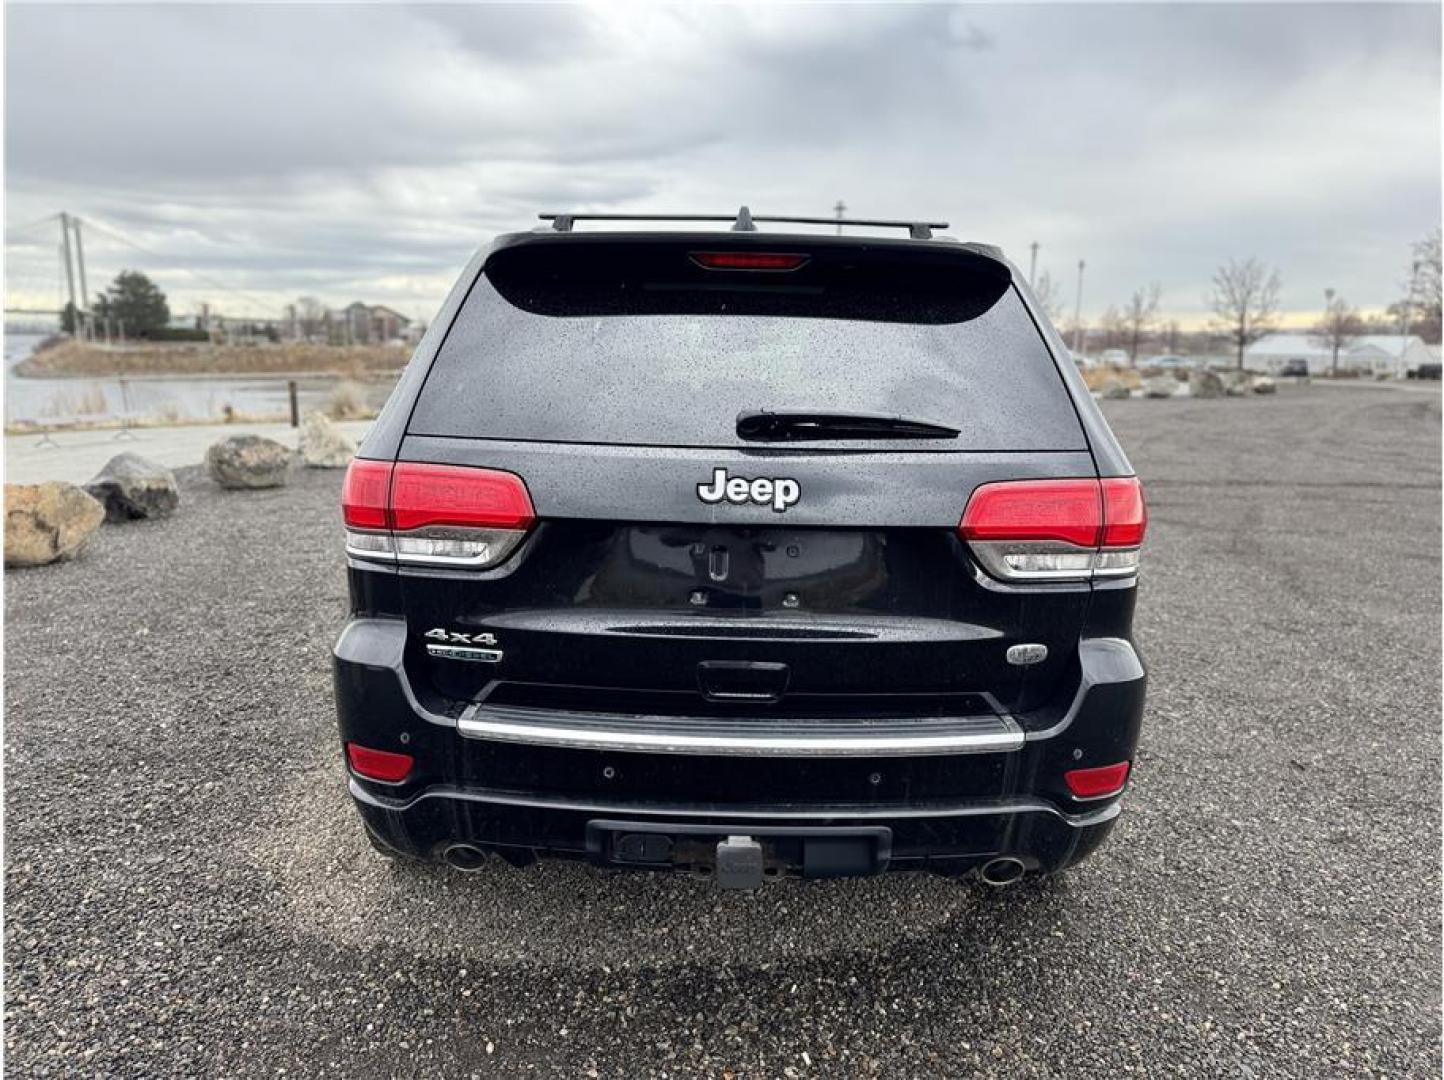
[351,361]
[1096,377]
[348,402]
[75,401]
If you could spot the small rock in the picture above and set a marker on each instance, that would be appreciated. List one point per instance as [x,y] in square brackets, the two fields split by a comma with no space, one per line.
[1114,387]
[1203,383]
[47,522]
[1264,385]
[1236,383]
[130,487]
[1160,386]
[248,461]
[322,446]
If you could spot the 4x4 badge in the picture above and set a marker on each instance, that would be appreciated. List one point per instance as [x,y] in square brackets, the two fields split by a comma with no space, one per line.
[461,646]
[779,492]
[456,637]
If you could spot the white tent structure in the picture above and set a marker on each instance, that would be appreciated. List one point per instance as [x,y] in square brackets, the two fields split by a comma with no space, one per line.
[1379,355]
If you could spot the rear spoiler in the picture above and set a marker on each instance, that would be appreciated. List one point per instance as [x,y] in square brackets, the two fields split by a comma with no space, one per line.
[745,273]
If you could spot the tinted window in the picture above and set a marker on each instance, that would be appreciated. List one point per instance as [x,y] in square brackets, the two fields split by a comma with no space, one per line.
[645,355]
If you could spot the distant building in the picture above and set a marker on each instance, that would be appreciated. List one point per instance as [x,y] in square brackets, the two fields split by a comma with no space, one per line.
[388,325]
[1380,355]
[371,324]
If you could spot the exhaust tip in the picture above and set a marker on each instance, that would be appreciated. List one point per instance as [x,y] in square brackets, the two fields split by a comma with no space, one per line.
[464,857]
[1002,871]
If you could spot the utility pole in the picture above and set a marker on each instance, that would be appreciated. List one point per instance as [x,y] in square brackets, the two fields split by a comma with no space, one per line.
[1078,312]
[1331,329]
[840,208]
[69,272]
[1033,264]
[80,265]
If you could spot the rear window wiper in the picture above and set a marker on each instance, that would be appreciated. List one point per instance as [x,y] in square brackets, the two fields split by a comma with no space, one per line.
[800,424]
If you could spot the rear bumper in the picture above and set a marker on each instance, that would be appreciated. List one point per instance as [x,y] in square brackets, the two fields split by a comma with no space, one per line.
[945,808]
[944,839]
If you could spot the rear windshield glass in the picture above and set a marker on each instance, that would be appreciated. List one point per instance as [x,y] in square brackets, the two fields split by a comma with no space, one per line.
[646,347]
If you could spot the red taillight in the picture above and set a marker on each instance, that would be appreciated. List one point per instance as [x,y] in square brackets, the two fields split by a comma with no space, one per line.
[424,495]
[747,260]
[441,515]
[383,765]
[1069,529]
[1125,518]
[365,494]
[1068,511]
[1097,783]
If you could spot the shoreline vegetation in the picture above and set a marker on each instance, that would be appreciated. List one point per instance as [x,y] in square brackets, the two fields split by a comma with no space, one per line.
[72,359]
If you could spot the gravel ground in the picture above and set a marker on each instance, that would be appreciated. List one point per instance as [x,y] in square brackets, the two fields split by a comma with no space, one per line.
[189,893]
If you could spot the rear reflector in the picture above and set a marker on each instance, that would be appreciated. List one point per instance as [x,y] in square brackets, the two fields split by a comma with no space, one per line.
[747,260]
[383,765]
[442,515]
[1069,529]
[1097,783]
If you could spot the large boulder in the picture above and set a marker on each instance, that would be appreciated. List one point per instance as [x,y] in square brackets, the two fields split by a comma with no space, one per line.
[130,487]
[1114,387]
[1264,385]
[46,522]
[1237,383]
[248,461]
[322,446]
[1160,386]
[1203,383]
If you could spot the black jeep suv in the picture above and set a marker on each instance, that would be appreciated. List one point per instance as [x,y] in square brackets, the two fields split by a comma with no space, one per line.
[741,551]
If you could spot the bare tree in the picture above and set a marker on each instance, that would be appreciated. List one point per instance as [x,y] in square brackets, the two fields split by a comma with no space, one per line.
[1245,301]
[1139,316]
[310,316]
[1419,312]
[1171,333]
[1050,296]
[1338,328]
[1113,328]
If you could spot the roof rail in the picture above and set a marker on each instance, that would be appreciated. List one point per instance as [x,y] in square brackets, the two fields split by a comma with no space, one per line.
[743,221]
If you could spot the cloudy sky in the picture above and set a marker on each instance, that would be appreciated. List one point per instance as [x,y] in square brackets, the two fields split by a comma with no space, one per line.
[247,156]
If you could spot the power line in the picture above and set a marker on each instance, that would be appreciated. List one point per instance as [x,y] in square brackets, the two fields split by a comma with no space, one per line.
[46,220]
[264,305]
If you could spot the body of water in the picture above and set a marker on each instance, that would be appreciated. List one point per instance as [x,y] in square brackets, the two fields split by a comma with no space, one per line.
[173,398]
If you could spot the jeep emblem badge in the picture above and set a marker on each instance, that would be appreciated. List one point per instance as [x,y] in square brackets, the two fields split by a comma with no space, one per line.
[778,492]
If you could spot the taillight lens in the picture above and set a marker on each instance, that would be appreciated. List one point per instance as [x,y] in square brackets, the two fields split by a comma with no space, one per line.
[383,765]
[438,515]
[366,494]
[1097,783]
[1056,530]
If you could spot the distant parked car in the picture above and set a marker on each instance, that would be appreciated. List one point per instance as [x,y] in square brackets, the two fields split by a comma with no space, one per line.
[1117,357]
[1427,371]
[1168,363]
[1084,363]
[1295,369]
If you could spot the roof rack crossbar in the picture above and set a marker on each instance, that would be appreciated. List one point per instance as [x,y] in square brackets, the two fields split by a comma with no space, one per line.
[743,221]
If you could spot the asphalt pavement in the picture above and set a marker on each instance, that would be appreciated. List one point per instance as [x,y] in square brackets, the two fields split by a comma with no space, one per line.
[188,892]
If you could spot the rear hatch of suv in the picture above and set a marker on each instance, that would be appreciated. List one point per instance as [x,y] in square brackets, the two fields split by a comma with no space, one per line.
[737,468]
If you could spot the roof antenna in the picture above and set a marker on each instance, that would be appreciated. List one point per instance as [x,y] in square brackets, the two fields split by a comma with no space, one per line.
[744,221]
